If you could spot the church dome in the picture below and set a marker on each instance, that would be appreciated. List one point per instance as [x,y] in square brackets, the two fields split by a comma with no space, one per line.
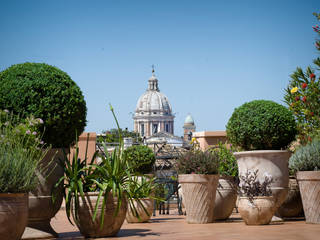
[153,101]
[189,120]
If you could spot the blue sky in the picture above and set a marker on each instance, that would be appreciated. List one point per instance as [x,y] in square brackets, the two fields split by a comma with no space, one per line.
[210,56]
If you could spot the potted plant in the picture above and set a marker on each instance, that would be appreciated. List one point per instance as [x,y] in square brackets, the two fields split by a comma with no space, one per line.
[142,193]
[141,157]
[51,95]
[264,129]
[226,195]
[292,205]
[256,203]
[20,155]
[198,177]
[306,162]
[96,193]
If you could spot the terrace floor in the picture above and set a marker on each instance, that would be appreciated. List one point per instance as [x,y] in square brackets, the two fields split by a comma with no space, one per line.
[174,226]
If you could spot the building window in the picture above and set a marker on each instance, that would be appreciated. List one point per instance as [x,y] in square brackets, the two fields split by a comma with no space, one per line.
[142,129]
[167,127]
[154,128]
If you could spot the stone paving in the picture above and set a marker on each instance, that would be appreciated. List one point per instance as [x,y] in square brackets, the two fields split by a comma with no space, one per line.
[174,226]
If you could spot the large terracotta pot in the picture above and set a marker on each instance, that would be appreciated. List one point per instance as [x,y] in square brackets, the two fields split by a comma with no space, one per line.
[13,215]
[147,204]
[274,162]
[199,192]
[292,206]
[226,197]
[259,212]
[84,213]
[41,206]
[309,184]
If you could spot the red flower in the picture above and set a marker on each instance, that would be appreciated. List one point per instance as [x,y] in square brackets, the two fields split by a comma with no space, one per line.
[297,98]
[312,75]
[304,99]
[304,85]
[311,113]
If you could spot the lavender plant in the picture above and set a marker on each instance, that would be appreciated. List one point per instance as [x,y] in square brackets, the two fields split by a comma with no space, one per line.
[198,162]
[251,187]
[20,154]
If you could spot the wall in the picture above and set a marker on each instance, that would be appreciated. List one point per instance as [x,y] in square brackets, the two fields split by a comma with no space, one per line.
[209,138]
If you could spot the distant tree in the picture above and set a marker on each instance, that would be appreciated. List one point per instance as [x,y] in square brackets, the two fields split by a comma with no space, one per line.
[303,96]
[112,135]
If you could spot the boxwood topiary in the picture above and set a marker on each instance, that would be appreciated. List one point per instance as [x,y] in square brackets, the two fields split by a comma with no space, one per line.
[141,157]
[306,158]
[261,124]
[48,93]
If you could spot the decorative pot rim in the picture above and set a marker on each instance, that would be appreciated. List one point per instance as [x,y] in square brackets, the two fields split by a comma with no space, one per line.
[260,151]
[14,194]
[308,176]
[257,197]
[197,178]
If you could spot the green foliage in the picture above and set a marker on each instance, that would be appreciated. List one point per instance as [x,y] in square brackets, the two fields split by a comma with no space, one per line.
[111,175]
[112,136]
[142,187]
[302,97]
[48,93]
[261,124]
[227,162]
[306,158]
[20,155]
[198,162]
[141,157]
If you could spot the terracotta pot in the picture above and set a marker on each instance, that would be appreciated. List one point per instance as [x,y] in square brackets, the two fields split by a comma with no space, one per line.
[259,212]
[90,228]
[226,197]
[13,215]
[41,206]
[147,204]
[292,206]
[199,193]
[274,162]
[309,184]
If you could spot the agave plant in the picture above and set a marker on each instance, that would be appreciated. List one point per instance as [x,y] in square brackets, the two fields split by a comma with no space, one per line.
[111,174]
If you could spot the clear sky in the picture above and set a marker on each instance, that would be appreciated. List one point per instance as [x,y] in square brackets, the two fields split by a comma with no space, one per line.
[210,56]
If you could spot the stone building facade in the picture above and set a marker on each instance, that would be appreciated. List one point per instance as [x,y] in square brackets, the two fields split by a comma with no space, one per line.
[153,112]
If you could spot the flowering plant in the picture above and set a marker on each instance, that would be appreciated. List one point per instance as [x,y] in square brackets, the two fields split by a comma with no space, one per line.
[251,187]
[303,97]
[196,161]
[20,155]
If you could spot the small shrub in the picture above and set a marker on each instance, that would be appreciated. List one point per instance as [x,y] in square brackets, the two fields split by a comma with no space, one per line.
[20,155]
[198,162]
[227,162]
[261,124]
[141,157]
[306,158]
[48,93]
[250,187]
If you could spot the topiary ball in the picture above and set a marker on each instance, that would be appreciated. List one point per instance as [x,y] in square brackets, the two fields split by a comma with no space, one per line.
[141,158]
[261,124]
[48,93]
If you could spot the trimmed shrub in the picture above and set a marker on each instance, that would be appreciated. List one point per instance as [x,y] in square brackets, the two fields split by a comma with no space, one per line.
[261,124]
[141,157]
[306,158]
[47,93]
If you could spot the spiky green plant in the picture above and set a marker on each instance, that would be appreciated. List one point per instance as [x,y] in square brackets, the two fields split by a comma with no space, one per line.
[111,175]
